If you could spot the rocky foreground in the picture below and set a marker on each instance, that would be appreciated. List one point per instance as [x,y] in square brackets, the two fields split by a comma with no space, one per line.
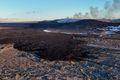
[14,66]
[59,70]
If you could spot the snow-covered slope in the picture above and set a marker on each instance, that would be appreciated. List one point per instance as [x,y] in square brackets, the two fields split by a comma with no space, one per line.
[114,28]
[67,20]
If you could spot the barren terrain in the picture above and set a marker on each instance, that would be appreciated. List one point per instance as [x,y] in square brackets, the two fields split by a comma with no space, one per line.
[34,55]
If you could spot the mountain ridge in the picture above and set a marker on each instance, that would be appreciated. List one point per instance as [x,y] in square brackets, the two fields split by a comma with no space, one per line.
[59,23]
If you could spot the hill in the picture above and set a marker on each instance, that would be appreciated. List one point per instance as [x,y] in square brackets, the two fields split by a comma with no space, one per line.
[63,24]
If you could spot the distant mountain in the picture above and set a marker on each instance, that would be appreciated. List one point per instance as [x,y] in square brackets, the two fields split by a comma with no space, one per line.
[64,24]
[105,20]
[85,23]
[116,20]
[17,24]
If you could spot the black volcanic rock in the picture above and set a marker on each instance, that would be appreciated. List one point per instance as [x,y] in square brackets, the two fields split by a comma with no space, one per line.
[54,49]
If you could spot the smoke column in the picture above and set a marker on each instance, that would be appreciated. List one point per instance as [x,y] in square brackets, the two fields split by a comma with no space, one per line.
[110,11]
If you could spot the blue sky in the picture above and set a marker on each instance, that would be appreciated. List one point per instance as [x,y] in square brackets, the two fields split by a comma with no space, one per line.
[45,9]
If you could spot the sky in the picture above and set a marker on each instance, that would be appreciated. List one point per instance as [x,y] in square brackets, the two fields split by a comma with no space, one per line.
[37,10]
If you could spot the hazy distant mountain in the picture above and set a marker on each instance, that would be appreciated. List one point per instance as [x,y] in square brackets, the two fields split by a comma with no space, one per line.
[85,23]
[105,20]
[116,20]
[65,24]
[17,24]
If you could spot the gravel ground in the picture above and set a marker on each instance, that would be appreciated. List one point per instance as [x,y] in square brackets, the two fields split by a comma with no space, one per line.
[64,70]
[106,67]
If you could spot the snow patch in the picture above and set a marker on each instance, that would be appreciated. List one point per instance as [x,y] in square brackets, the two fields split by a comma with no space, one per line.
[67,20]
[47,31]
[63,32]
[108,33]
[113,28]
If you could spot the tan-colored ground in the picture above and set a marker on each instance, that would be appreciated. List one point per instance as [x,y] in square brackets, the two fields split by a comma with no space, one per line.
[8,57]
[1,28]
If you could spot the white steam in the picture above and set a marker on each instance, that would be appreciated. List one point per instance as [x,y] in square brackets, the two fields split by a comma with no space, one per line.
[110,11]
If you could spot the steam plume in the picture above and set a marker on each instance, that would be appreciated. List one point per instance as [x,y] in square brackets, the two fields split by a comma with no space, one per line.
[110,11]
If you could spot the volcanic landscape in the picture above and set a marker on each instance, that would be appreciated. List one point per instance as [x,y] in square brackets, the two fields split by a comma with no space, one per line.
[85,49]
